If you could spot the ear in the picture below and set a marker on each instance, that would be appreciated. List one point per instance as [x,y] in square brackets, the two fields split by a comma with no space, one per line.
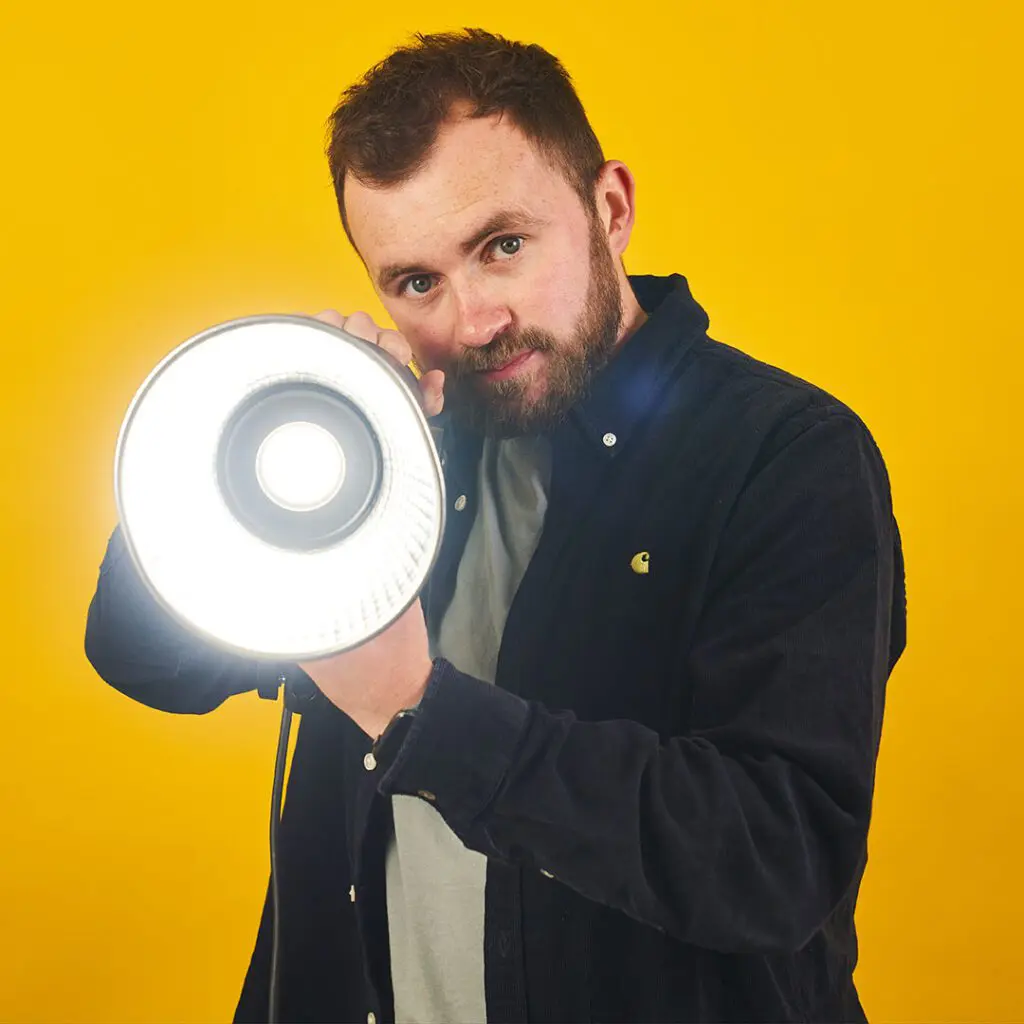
[615,194]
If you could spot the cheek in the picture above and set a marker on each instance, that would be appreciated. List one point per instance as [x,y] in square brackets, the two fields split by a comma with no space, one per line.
[553,295]
[428,337]
[433,349]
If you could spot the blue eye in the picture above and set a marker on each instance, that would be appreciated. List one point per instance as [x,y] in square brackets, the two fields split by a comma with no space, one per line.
[419,284]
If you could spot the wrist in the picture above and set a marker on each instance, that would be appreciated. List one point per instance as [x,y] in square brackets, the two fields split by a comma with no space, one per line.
[374,721]
[370,723]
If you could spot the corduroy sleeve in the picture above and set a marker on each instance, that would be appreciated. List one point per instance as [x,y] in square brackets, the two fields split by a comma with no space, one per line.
[135,646]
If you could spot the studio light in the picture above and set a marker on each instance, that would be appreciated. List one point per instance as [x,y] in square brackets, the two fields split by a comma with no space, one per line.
[278,487]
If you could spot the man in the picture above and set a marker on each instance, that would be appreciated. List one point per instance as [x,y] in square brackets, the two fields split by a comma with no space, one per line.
[619,763]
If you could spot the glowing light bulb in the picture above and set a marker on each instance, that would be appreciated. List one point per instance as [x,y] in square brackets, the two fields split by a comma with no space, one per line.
[300,466]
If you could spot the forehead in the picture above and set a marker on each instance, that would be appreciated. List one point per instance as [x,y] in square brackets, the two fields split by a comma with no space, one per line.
[478,166]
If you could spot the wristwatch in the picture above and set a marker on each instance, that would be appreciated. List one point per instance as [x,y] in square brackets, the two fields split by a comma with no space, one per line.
[387,744]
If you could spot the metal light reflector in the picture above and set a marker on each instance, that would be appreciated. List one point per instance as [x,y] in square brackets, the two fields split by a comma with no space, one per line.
[278,487]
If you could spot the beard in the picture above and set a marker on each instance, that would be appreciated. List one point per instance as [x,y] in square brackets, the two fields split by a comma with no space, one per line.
[503,409]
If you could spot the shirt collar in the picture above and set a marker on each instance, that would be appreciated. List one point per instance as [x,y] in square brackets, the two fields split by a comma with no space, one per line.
[626,391]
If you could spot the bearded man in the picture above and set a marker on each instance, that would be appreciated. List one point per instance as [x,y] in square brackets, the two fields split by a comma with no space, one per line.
[618,763]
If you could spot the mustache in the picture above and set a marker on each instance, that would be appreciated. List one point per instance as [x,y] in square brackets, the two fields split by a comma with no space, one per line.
[500,351]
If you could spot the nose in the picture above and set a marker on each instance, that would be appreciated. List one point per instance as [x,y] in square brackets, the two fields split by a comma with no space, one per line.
[479,315]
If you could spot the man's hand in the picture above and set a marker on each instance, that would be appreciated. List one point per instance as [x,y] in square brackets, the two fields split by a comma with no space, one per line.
[375,680]
[362,326]
[380,677]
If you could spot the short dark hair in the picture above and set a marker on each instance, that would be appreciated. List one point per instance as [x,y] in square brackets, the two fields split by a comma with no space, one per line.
[386,124]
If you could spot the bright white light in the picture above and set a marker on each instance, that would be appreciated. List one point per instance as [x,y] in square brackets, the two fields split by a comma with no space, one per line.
[300,466]
[204,565]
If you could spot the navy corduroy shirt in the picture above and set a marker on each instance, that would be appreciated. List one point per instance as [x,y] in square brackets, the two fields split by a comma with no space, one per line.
[672,778]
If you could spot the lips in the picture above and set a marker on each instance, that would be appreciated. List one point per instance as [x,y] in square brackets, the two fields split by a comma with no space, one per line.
[508,369]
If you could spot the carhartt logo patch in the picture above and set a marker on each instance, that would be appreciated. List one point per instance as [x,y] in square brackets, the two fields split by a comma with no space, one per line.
[641,562]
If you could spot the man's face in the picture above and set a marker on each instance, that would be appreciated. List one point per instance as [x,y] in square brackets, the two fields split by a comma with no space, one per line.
[489,264]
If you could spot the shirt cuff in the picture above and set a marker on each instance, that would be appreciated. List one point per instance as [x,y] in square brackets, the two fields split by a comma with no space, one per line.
[459,746]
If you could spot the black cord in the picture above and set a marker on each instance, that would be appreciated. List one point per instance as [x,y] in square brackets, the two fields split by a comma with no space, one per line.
[275,819]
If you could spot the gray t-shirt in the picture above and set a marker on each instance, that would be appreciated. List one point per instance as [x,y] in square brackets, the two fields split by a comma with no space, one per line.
[435,886]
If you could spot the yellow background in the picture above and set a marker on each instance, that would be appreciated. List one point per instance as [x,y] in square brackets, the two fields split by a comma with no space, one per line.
[840,183]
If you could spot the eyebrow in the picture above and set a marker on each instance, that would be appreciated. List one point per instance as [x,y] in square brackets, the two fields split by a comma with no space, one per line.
[503,220]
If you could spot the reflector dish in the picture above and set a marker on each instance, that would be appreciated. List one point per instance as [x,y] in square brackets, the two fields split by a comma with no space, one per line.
[278,487]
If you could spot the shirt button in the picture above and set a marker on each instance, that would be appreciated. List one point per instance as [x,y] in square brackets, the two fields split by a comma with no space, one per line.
[369,762]
[609,439]
[352,893]
[460,503]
